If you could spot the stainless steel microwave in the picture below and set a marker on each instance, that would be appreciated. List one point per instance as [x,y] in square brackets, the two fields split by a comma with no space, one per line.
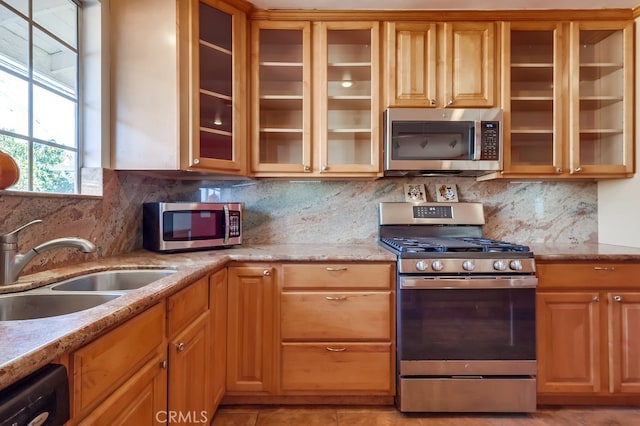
[442,141]
[182,226]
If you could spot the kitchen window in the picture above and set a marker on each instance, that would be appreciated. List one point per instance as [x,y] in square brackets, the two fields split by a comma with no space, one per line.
[39,92]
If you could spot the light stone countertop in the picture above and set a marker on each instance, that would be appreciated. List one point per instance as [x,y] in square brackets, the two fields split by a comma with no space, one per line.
[30,344]
[585,252]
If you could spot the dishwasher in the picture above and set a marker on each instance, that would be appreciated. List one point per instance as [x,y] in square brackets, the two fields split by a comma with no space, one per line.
[40,399]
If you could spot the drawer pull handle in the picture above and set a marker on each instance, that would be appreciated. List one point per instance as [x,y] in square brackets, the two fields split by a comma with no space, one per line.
[604,268]
[333,269]
[266,272]
[330,349]
[339,298]
[180,347]
[164,364]
[617,298]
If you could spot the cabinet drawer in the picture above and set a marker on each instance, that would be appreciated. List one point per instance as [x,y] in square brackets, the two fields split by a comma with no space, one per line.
[104,364]
[598,275]
[186,305]
[336,315]
[336,367]
[337,275]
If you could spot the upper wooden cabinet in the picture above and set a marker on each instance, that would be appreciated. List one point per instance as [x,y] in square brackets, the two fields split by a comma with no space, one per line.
[441,65]
[568,99]
[315,103]
[178,85]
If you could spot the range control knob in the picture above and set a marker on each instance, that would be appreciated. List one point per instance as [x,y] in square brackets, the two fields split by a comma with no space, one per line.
[499,265]
[421,265]
[516,265]
[468,265]
[437,265]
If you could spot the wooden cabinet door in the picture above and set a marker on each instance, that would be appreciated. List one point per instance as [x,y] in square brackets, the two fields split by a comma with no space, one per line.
[410,64]
[142,400]
[189,370]
[624,357]
[346,76]
[568,339]
[218,351]
[250,329]
[470,64]
[601,99]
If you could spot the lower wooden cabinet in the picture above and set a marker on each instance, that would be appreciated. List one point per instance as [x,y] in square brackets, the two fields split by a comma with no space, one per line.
[218,347]
[337,329]
[588,315]
[250,330]
[110,362]
[188,352]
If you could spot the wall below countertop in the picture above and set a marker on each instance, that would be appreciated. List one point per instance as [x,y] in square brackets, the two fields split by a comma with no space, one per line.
[277,211]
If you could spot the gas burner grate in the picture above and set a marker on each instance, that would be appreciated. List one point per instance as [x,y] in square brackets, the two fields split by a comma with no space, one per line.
[454,244]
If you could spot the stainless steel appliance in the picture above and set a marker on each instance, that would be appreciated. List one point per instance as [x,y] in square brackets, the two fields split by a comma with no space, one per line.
[181,226]
[442,141]
[465,311]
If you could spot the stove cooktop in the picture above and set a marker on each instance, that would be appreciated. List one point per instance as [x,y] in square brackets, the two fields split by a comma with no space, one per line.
[451,245]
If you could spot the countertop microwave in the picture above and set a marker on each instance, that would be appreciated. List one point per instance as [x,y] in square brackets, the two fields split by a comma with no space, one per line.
[442,141]
[184,226]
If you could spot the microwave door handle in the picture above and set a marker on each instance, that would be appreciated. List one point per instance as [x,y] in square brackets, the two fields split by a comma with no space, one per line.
[477,149]
[227,223]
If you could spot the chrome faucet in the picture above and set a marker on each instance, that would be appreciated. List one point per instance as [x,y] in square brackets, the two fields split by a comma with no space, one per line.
[12,263]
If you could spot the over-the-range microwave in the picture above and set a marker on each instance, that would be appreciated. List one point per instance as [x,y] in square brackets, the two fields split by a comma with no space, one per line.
[183,226]
[442,141]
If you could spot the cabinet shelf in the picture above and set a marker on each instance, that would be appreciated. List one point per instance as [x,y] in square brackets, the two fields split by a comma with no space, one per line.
[279,130]
[204,43]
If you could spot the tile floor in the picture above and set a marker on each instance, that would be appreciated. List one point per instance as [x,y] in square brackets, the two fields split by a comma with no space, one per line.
[388,416]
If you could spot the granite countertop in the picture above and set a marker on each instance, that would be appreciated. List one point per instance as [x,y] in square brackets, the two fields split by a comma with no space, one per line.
[30,344]
[585,252]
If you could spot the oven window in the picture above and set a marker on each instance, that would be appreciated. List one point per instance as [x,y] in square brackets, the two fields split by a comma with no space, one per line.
[193,225]
[432,140]
[477,324]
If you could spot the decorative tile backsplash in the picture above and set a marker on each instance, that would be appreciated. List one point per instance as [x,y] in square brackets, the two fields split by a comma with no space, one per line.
[281,212]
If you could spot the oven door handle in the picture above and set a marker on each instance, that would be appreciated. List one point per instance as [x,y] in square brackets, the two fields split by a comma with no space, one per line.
[469,283]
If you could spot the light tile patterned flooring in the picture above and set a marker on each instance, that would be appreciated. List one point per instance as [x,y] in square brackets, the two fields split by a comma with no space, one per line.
[388,416]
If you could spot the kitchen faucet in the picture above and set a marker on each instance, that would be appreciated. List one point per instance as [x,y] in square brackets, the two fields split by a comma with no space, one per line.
[12,263]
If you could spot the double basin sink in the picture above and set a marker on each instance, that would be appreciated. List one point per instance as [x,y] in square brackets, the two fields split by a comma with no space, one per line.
[76,294]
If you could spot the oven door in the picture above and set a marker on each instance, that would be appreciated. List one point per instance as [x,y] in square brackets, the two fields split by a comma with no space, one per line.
[450,326]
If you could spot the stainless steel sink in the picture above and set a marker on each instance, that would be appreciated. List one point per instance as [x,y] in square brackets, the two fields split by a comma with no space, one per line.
[116,280]
[23,306]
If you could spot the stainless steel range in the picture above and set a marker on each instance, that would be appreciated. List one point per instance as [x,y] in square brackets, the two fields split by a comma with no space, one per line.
[465,311]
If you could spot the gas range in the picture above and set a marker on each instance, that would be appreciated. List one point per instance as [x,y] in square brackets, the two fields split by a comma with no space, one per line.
[446,238]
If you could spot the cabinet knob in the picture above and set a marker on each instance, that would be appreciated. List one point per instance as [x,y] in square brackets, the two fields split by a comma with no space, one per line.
[596,298]
[196,161]
[307,168]
[577,169]
[433,101]
[266,272]
[617,298]
[559,170]
[325,168]
[180,347]
[450,102]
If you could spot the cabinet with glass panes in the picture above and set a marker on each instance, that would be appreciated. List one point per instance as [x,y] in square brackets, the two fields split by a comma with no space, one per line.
[184,98]
[321,118]
[567,100]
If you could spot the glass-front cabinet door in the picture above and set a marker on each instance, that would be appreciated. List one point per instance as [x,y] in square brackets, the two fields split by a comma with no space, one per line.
[601,110]
[534,81]
[346,91]
[218,133]
[281,97]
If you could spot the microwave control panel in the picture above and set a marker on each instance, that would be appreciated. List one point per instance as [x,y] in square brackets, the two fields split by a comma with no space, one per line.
[490,140]
[234,224]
